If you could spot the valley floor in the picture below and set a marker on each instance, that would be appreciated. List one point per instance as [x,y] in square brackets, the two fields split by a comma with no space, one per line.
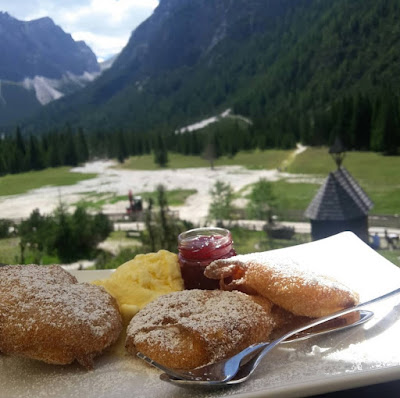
[119,182]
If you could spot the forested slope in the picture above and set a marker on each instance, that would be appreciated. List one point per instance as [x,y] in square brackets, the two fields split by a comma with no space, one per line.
[300,69]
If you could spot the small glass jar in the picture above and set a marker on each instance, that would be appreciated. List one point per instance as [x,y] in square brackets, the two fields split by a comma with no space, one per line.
[198,248]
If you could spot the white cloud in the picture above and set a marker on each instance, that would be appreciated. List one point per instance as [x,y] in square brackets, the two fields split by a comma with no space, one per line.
[109,45]
[105,25]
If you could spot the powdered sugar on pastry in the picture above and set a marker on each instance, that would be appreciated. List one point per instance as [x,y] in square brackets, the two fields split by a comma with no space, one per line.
[45,314]
[283,281]
[191,328]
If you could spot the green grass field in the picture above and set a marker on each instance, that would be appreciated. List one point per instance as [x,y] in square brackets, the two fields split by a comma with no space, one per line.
[9,251]
[378,175]
[270,159]
[15,184]
[293,195]
[95,201]
[248,241]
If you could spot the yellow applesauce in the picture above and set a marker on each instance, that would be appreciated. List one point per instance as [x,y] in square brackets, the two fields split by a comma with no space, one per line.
[141,280]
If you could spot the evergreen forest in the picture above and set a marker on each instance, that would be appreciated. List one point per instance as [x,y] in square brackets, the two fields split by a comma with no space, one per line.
[360,124]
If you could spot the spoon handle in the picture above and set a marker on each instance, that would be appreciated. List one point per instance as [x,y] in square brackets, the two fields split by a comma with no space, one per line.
[339,313]
[319,321]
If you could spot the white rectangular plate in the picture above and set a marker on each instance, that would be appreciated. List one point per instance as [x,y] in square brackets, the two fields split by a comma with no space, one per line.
[361,356]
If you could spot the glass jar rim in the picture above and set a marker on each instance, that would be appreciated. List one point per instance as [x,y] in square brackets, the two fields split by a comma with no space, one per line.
[203,231]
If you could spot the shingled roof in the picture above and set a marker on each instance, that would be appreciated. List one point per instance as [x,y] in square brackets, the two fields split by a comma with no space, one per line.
[339,198]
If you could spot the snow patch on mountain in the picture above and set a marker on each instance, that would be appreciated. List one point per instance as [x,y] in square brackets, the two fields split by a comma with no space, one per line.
[48,90]
[43,87]
[205,122]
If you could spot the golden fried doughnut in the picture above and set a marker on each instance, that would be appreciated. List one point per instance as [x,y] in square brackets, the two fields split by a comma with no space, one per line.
[285,321]
[46,315]
[284,282]
[191,328]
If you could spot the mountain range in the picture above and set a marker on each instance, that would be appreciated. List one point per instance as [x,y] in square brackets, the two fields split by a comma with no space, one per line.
[282,63]
[39,63]
[180,39]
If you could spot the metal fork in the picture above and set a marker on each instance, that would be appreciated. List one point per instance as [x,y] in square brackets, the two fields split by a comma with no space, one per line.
[245,362]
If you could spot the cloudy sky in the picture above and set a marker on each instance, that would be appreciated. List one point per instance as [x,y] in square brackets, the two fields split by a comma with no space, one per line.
[105,25]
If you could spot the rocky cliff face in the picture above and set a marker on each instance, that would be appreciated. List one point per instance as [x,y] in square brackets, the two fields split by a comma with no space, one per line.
[39,63]
[40,48]
[180,32]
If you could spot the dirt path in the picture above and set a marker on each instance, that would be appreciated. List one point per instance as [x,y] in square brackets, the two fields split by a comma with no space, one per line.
[287,162]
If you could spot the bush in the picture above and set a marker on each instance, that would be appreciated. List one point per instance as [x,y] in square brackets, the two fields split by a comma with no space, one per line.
[262,201]
[71,237]
[162,228]
[221,207]
[107,261]
[5,228]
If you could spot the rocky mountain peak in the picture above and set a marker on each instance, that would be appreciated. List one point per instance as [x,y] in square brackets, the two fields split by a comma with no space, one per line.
[41,48]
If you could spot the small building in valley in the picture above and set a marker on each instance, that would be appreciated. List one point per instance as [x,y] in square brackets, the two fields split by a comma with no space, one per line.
[340,204]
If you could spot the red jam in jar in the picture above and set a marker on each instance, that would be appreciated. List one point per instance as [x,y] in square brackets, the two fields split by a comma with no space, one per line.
[198,248]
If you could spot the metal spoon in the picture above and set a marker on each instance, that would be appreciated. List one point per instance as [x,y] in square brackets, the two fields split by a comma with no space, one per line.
[235,370]
[238,368]
[244,359]
[247,367]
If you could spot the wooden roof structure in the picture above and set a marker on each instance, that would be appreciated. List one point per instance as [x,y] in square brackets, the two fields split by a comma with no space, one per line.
[339,198]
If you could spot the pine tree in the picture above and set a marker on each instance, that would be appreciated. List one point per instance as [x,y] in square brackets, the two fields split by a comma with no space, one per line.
[391,127]
[160,151]
[376,123]
[341,123]
[221,207]
[163,205]
[386,125]
[4,153]
[19,156]
[360,126]
[63,236]
[54,151]
[262,201]
[212,149]
[82,147]
[122,149]
[34,155]
[70,157]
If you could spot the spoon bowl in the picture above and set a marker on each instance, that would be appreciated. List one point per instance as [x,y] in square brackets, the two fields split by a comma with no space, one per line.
[248,367]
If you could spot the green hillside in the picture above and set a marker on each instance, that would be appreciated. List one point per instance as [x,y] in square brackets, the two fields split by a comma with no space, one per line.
[15,101]
[296,75]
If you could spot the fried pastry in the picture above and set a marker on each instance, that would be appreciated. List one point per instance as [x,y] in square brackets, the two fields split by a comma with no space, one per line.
[191,328]
[46,315]
[284,282]
[285,322]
